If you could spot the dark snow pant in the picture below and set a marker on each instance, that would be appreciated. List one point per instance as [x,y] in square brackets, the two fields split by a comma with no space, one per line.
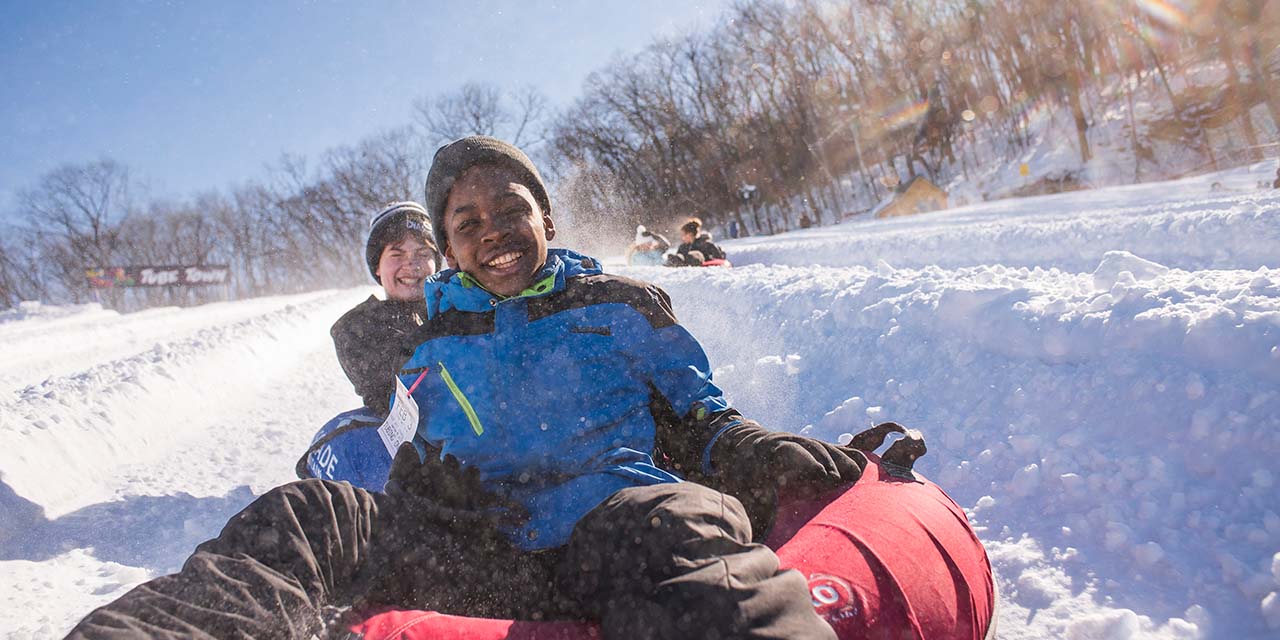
[664,561]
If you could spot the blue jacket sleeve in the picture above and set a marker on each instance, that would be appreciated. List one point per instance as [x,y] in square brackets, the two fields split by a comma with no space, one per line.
[689,410]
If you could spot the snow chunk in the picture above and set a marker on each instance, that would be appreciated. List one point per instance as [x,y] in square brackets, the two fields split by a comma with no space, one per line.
[1148,554]
[1271,610]
[1119,624]
[848,417]
[1195,387]
[1123,624]
[1117,537]
[1115,264]
[1024,444]
[1041,587]
[1026,480]
[1072,482]
[1202,423]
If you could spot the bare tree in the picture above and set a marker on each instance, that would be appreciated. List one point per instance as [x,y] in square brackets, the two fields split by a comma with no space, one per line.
[21,275]
[79,209]
[518,116]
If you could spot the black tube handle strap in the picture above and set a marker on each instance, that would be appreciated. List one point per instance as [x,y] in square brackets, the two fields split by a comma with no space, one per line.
[901,456]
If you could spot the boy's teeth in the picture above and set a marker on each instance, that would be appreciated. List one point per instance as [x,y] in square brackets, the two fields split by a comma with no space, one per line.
[504,259]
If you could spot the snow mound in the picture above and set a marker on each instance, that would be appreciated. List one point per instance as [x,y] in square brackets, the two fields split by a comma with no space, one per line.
[1124,267]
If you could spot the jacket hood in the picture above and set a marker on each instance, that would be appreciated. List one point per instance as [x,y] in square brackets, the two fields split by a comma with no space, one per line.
[454,289]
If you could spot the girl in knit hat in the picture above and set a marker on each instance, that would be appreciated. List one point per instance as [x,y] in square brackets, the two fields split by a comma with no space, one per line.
[401,253]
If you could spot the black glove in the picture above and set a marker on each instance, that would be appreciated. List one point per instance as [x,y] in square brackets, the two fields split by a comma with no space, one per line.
[446,490]
[785,460]
[753,464]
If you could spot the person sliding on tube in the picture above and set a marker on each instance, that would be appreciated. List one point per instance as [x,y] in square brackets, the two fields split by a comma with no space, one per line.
[696,247]
[561,410]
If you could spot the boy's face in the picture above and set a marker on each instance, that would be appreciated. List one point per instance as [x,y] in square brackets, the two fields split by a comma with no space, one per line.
[497,232]
[403,266]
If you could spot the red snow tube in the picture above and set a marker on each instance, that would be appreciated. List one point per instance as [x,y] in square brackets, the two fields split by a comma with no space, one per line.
[885,558]
[716,262]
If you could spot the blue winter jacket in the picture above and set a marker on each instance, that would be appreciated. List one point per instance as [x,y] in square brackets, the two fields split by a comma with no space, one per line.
[556,395]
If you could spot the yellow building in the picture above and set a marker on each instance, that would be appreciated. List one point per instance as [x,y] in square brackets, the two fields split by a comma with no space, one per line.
[918,196]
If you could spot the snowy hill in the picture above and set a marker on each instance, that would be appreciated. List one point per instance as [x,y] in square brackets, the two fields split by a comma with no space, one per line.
[1097,375]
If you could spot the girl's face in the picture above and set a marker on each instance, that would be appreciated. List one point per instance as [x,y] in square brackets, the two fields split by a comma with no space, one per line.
[403,266]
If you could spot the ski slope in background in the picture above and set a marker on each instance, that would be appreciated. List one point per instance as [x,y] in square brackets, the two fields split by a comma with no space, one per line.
[1097,375]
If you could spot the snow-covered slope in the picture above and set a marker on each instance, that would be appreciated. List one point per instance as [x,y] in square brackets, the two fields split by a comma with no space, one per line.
[1097,375]
[140,434]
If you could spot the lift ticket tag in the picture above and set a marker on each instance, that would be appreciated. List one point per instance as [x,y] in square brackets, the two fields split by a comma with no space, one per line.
[400,426]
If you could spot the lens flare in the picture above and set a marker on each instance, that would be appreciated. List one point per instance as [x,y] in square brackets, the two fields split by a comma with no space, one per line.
[1165,12]
[1033,110]
[904,113]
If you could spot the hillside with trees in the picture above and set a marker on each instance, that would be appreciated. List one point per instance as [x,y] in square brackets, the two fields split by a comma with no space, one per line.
[783,110]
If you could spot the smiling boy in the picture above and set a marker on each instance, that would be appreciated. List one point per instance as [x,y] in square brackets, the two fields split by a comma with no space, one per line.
[546,390]
[555,384]
[497,232]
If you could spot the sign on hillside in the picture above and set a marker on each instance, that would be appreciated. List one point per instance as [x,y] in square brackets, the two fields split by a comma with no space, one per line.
[162,276]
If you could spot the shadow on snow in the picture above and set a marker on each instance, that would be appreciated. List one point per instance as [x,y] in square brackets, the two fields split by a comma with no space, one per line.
[153,532]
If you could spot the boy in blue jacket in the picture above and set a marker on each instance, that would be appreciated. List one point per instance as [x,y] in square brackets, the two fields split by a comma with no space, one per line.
[561,410]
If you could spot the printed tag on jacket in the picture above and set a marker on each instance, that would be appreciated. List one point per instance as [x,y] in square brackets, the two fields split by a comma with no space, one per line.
[400,426]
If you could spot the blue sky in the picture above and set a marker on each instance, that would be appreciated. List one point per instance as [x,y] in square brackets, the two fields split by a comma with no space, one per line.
[202,95]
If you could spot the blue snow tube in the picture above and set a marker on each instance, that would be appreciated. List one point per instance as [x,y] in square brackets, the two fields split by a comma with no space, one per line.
[348,448]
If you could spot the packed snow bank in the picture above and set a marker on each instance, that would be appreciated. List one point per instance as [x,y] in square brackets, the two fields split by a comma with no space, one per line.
[74,580]
[1105,403]
[113,473]
[42,341]
[1106,407]
[70,435]
[1130,428]
[1118,419]
[33,309]
[1181,223]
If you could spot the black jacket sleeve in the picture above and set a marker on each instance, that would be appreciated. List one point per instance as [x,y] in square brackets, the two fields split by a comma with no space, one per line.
[682,441]
[709,249]
[371,341]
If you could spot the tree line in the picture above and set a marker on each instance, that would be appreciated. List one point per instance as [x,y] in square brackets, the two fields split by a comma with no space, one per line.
[300,228]
[784,109]
[823,107]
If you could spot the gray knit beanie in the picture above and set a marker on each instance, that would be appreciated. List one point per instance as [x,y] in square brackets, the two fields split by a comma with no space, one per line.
[458,156]
[393,222]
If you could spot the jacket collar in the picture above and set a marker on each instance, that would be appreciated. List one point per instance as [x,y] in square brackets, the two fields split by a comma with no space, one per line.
[453,289]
